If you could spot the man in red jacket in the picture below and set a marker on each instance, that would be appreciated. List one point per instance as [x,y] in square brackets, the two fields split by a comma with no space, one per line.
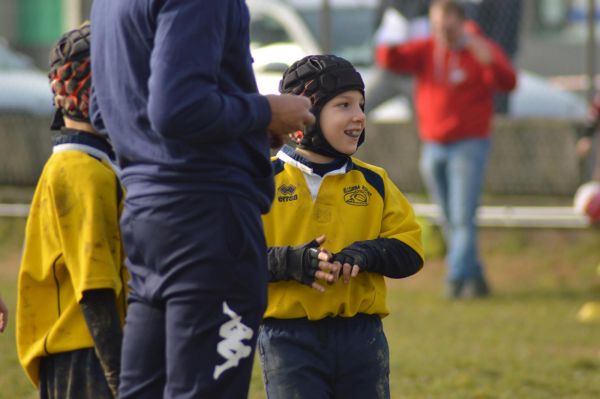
[457,73]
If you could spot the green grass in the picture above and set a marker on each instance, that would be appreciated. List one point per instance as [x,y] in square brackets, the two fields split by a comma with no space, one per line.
[524,342]
[13,382]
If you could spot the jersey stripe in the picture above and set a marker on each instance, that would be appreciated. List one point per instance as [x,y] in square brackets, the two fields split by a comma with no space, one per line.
[277,166]
[372,178]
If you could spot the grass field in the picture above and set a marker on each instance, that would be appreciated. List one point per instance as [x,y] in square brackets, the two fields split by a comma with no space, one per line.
[524,342]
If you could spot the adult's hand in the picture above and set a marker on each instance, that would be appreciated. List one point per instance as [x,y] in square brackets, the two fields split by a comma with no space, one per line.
[479,48]
[289,114]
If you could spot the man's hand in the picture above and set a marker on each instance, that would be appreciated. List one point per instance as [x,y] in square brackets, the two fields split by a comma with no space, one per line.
[479,48]
[289,113]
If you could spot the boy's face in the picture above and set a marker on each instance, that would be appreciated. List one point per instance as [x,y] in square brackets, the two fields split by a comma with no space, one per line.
[343,120]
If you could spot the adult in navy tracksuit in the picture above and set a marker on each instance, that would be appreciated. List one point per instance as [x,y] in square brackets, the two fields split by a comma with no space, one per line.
[175,90]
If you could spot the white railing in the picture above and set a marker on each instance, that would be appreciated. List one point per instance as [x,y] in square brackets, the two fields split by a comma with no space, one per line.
[494,216]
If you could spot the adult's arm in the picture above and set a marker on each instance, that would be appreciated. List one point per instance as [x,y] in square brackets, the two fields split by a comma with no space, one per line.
[186,99]
[499,71]
[408,57]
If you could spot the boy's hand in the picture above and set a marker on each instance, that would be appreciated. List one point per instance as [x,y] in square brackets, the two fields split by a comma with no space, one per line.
[351,260]
[289,113]
[583,146]
[308,262]
[3,315]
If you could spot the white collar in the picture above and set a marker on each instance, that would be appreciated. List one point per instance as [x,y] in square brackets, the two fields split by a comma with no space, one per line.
[96,153]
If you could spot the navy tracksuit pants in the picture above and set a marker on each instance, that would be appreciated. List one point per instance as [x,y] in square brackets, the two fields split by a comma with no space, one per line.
[198,291]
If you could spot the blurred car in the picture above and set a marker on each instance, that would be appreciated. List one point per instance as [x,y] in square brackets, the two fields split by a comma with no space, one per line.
[284,31]
[23,87]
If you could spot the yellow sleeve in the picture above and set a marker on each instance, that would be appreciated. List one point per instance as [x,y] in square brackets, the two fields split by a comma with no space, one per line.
[399,219]
[84,197]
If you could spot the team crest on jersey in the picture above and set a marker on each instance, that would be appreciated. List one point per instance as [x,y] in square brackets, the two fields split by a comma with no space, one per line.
[357,195]
[287,193]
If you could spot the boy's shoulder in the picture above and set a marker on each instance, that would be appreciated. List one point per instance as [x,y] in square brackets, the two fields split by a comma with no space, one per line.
[77,167]
[374,175]
[358,164]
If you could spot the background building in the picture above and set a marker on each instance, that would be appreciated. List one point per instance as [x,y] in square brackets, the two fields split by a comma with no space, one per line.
[32,26]
[553,32]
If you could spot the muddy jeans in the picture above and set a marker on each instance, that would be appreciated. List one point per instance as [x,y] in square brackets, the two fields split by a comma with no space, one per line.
[330,358]
[73,375]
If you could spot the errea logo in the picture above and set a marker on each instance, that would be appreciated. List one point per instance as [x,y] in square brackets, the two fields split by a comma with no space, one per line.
[357,195]
[287,193]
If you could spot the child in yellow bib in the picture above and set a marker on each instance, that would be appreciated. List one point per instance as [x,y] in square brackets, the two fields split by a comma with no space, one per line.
[72,280]
[336,228]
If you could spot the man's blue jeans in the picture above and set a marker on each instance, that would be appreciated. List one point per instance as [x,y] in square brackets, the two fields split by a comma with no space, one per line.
[453,174]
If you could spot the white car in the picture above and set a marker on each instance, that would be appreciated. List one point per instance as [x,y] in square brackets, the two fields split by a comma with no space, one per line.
[23,88]
[284,31]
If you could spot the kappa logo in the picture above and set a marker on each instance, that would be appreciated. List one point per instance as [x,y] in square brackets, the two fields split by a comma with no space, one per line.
[287,193]
[231,347]
[357,195]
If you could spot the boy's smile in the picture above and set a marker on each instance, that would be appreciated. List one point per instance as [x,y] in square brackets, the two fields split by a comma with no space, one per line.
[353,133]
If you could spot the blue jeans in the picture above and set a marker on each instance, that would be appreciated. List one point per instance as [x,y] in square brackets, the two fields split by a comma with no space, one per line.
[453,174]
[325,359]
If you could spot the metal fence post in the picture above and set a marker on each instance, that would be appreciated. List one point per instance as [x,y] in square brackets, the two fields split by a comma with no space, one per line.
[325,27]
[71,14]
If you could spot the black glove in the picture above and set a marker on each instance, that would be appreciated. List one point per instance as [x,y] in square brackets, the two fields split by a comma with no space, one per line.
[298,263]
[386,256]
[353,255]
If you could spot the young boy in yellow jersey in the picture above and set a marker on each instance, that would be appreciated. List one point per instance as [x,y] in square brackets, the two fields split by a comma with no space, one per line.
[71,287]
[339,225]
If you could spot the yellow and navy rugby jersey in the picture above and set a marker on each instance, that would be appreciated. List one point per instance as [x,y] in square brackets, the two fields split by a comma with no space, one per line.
[357,202]
[72,244]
